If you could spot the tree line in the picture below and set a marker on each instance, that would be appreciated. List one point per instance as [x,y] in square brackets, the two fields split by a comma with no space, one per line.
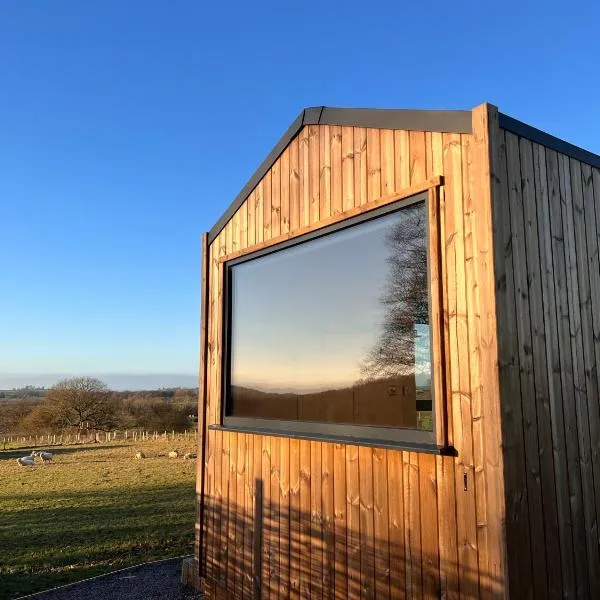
[86,403]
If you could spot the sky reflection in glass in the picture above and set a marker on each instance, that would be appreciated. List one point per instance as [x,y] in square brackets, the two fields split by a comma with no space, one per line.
[337,312]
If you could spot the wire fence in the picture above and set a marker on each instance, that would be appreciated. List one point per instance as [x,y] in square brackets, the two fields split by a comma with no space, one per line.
[87,437]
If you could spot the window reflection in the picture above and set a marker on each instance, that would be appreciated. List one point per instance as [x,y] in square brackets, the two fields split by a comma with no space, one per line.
[336,329]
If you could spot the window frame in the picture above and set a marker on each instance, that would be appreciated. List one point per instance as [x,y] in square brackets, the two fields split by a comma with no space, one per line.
[376,435]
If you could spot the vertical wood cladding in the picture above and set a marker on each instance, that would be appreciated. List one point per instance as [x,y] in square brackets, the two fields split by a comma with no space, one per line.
[546,210]
[339,521]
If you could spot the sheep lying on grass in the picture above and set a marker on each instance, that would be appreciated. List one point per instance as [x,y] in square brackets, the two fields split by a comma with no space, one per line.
[174,454]
[140,455]
[189,456]
[26,461]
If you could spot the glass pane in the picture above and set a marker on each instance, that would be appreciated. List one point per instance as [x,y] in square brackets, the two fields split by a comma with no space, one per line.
[336,329]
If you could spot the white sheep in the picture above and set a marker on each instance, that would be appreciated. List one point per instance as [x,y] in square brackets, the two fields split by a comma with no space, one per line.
[45,456]
[174,454]
[139,455]
[189,456]
[26,461]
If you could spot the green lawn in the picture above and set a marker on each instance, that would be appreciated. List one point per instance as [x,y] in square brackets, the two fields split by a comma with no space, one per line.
[94,510]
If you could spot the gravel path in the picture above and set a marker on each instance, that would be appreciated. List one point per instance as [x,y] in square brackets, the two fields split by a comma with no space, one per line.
[153,581]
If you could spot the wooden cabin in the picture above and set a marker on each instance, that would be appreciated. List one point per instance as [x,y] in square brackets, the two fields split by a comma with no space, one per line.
[400,348]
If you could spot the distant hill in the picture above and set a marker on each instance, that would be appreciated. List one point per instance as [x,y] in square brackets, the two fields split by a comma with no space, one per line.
[25,393]
[115,381]
[387,402]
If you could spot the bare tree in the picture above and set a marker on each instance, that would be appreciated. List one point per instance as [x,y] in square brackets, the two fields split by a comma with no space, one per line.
[82,402]
[405,298]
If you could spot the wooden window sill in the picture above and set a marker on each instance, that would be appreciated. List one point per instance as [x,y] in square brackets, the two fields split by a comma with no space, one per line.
[427,448]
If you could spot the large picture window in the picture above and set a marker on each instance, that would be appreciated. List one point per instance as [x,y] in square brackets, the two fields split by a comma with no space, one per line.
[329,333]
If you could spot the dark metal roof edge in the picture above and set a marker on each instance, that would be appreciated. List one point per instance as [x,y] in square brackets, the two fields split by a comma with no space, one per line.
[266,164]
[448,121]
[550,141]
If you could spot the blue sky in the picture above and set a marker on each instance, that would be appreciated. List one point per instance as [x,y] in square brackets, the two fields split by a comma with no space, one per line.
[126,128]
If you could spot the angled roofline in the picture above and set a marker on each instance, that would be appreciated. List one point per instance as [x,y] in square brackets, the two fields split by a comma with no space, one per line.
[448,121]
[545,139]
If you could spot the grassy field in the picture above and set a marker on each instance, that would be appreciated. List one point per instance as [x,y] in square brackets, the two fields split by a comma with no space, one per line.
[94,510]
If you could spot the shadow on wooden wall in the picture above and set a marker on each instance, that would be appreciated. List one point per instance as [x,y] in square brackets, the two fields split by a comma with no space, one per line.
[272,551]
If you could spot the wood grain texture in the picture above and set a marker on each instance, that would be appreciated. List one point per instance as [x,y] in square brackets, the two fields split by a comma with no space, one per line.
[586,377]
[586,213]
[250,205]
[373,164]
[347,168]
[517,511]
[355,522]
[360,166]
[239,512]
[284,518]
[317,558]
[525,359]
[447,529]
[284,201]
[276,216]
[275,564]
[304,178]
[305,520]
[520,317]
[295,548]
[340,522]
[573,288]
[265,561]
[347,214]
[459,380]
[566,369]
[367,532]
[546,255]
[428,492]
[249,525]
[260,213]
[314,172]
[381,524]
[388,172]
[470,175]
[326,177]
[541,398]
[294,186]
[328,519]
[336,204]
[552,365]
[230,485]
[482,164]
[266,187]
[353,531]
[395,491]
[257,523]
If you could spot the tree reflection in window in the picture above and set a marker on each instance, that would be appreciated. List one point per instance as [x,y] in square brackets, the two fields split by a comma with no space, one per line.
[403,347]
[336,329]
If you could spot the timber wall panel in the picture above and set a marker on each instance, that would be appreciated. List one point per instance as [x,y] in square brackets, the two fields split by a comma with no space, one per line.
[309,519]
[548,293]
